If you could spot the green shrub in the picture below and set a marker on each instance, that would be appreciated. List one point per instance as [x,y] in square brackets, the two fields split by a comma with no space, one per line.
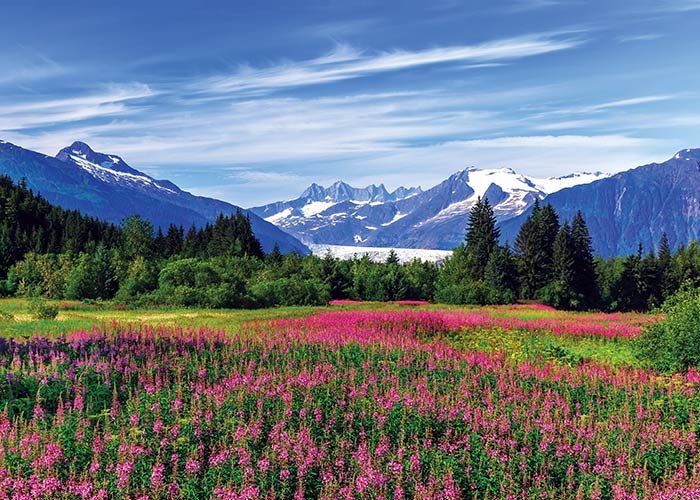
[42,310]
[6,316]
[673,343]
[291,292]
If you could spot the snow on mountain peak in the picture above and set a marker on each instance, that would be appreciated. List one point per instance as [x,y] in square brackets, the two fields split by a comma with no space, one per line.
[342,214]
[109,161]
[688,155]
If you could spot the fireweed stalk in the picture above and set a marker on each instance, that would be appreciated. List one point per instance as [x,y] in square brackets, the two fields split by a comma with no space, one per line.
[345,404]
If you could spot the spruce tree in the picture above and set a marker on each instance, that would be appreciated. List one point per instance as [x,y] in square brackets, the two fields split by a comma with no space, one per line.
[584,280]
[482,237]
[629,290]
[548,230]
[500,277]
[664,263]
[562,292]
[534,248]
[392,259]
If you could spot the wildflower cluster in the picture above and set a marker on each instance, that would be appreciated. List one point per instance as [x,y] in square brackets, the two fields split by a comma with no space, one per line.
[340,405]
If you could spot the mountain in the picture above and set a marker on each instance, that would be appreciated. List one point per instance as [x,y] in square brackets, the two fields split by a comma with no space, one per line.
[105,186]
[409,217]
[637,205]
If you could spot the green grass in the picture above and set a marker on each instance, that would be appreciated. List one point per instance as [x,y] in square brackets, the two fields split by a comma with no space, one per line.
[80,316]
[519,344]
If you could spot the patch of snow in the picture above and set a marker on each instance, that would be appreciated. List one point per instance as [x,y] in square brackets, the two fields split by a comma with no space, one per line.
[371,228]
[109,175]
[380,254]
[278,217]
[398,216]
[618,202]
[455,209]
[554,184]
[114,159]
[505,178]
[316,207]
[360,217]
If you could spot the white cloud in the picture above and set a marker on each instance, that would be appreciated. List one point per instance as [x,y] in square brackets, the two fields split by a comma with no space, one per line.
[38,113]
[605,106]
[528,5]
[678,5]
[540,156]
[345,63]
[630,102]
[644,37]
[22,65]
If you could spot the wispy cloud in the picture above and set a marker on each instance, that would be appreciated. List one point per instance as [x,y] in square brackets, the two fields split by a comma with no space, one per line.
[678,5]
[36,113]
[23,65]
[545,155]
[634,101]
[643,37]
[264,126]
[605,106]
[527,5]
[339,29]
[346,62]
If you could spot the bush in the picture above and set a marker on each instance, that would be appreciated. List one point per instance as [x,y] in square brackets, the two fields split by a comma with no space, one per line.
[673,343]
[291,292]
[42,310]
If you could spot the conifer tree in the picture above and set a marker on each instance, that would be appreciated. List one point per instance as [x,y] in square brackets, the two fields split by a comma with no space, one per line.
[482,237]
[664,267]
[534,248]
[562,293]
[548,229]
[392,259]
[500,276]
[584,281]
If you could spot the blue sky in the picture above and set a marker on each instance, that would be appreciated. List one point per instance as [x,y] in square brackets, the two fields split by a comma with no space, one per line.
[252,101]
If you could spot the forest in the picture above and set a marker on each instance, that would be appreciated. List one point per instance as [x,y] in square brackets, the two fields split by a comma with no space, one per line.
[46,251]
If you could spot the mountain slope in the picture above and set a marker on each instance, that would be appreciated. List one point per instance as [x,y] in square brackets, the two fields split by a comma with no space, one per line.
[637,205]
[408,217]
[105,186]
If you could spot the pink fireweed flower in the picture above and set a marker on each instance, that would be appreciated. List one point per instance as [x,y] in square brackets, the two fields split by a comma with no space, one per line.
[157,476]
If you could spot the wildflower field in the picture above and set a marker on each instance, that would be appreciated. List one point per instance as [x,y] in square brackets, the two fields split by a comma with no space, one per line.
[349,401]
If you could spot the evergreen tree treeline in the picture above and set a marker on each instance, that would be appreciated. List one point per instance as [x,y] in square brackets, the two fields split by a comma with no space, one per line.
[554,263]
[46,250]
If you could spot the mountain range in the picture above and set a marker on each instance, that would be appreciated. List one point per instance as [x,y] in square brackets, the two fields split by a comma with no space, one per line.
[105,186]
[410,217]
[621,210]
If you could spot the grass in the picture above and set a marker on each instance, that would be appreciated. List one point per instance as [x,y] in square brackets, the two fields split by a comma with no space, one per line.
[74,316]
[519,343]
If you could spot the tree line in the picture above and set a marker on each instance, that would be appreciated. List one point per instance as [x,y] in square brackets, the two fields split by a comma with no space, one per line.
[554,263]
[56,253]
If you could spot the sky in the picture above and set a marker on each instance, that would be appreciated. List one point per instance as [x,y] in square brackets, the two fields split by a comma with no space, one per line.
[250,102]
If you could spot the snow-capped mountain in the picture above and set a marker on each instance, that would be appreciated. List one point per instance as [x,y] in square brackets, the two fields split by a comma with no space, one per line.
[410,217]
[111,169]
[106,187]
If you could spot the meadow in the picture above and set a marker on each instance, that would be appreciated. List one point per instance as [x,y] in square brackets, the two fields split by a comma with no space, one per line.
[348,401]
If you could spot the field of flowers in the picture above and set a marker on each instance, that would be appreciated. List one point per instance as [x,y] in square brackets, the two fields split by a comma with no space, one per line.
[342,404]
